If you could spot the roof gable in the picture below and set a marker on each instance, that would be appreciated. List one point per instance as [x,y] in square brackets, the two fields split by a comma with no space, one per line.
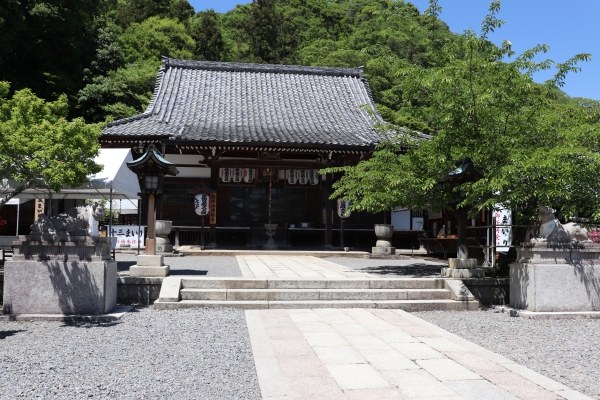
[256,103]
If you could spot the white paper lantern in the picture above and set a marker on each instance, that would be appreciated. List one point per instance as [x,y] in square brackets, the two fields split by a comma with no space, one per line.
[302,176]
[202,204]
[292,176]
[225,174]
[313,176]
[342,208]
[238,174]
[249,175]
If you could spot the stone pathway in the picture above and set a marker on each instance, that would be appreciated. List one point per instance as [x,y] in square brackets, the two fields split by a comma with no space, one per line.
[294,267]
[380,354]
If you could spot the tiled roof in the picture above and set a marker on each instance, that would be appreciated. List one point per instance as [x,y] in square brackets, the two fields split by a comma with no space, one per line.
[256,104]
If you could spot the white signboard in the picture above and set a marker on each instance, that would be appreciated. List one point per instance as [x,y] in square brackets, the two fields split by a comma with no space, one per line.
[129,235]
[502,218]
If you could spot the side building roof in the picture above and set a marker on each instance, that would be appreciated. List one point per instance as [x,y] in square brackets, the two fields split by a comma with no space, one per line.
[249,104]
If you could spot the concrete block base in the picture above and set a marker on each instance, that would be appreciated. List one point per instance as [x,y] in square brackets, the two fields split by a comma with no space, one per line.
[149,271]
[60,287]
[555,287]
[147,260]
[384,251]
[463,273]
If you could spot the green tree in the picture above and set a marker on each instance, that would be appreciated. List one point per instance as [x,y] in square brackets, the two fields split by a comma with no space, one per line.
[483,104]
[271,36]
[46,44]
[137,11]
[39,147]
[210,44]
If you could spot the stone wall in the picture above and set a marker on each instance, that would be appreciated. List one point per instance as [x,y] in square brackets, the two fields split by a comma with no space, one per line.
[490,291]
[132,290]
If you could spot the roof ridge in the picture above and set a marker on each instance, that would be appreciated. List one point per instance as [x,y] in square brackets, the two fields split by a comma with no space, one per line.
[249,67]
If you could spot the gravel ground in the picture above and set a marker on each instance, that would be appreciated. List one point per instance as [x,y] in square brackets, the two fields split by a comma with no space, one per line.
[564,350]
[149,354]
[212,266]
[416,268]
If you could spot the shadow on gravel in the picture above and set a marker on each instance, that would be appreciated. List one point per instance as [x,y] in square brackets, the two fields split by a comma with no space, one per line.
[417,270]
[90,324]
[188,272]
[5,334]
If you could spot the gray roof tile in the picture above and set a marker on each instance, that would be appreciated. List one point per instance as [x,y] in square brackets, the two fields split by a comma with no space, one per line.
[255,103]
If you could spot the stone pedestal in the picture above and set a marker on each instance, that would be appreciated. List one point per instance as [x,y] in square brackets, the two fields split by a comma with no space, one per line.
[463,268]
[60,274]
[149,266]
[556,277]
[271,245]
[163,244]
[383,247]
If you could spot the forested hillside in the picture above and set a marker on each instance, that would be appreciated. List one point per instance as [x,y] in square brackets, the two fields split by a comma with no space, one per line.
[104,54]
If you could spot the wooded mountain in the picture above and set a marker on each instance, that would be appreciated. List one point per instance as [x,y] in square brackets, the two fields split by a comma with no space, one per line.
[104,54]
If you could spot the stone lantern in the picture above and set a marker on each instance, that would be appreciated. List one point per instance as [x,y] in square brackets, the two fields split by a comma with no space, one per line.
[343,212]
[202,205]
[462,266]
[151,169]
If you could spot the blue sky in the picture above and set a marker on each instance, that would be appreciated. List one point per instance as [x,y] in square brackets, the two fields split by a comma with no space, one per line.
[568,27]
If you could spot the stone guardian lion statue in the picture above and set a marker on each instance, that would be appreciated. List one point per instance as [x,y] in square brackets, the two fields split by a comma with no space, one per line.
[78,221]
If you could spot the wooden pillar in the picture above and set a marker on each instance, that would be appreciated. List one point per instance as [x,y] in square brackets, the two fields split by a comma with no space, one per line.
[212,233]
[328,209]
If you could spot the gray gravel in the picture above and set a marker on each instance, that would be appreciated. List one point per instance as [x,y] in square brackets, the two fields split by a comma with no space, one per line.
[150,354]
[415,268]
[564,350]
[213,266]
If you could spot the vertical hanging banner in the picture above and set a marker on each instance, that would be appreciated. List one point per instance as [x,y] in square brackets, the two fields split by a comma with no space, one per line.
[213,209]
[503,218]
[39,208]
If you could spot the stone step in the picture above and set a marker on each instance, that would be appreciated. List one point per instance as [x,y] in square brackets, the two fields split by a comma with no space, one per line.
[406,305]
[313,294]
[278,283]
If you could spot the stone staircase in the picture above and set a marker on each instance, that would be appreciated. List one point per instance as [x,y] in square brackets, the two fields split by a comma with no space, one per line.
[416,294]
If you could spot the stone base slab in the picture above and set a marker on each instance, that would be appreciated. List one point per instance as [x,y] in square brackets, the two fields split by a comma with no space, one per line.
[548,315]
[114,315]
[149,271]
[60,287]
[383,251]
[555,287]
[463,273]
[148,260]
[459,263]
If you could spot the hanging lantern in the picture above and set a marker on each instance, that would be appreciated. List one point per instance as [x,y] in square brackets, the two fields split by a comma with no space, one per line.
[201,204]
[292,176]
[303,176]
[238,174]
[225,174]
[313,176]
[343,208]
[249,175]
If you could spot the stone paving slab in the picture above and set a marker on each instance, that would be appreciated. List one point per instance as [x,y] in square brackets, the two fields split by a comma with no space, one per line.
[356,353]
[294,267]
